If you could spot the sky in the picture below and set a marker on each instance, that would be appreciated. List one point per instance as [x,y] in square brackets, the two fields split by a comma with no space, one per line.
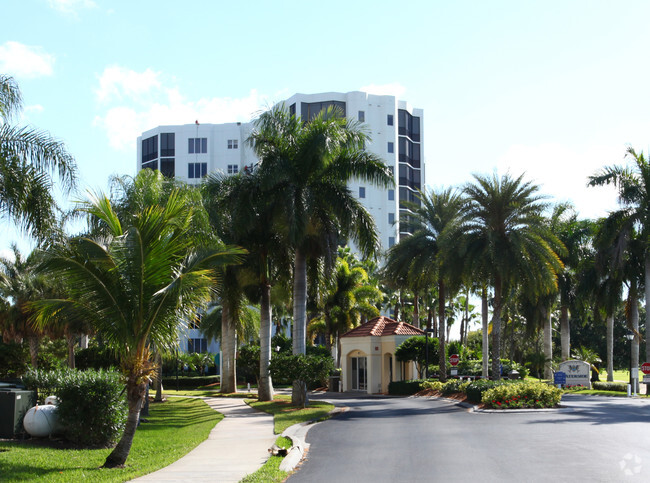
[554,90]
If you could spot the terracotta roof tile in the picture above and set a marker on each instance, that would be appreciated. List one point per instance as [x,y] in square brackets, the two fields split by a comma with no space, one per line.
[380,326]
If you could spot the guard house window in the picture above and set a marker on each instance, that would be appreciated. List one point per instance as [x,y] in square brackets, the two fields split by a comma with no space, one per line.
[389,119]
[391,147]
[197,170]
[233,143]
[168,144]
[391,195]
[362,116]
[233,169]
[391,218]
[197,145]
[197,346]
[362,192]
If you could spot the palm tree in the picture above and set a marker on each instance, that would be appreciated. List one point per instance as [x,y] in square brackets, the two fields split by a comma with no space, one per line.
[633,184]
[134,284]
[426,256]
[305,167]
[27,157]
[504,235]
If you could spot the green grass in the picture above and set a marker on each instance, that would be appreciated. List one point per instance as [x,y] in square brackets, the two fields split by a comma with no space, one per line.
[285,415]
[175,428]
[207,393]
[270,472]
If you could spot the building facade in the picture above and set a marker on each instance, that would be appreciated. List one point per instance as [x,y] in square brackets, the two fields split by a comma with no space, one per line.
[189,152]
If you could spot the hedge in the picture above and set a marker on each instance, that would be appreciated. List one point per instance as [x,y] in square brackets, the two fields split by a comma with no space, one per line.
[609,386]
[522,395]
[404,388]
[189,382]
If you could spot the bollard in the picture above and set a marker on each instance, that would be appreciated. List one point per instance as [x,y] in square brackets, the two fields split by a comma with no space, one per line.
[629,390]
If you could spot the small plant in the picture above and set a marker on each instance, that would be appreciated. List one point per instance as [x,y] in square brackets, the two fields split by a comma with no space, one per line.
[433,385]
[454,386]
[475,389]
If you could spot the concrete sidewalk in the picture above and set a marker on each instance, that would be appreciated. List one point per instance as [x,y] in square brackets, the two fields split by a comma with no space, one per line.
[236,447]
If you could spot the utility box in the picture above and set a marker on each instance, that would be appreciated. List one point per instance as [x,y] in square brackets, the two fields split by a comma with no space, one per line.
[14,403]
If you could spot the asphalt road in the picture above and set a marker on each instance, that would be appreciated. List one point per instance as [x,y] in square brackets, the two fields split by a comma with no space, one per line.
[421,439]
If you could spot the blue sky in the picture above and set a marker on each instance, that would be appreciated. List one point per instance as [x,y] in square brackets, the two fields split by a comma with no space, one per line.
[555,89]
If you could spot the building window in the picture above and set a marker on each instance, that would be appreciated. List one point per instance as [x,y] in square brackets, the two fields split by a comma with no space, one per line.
[391,195]
[362,192]
[233,143]
[309,110]
[292,110]
[391,241]
[168,144]
[391,218]
[195,323]
[362,116]
[233,169]
[197,345]
[197,170]
[168,167]
[151,165]
[197,145]
[389,119]
[391,147]
[149,149]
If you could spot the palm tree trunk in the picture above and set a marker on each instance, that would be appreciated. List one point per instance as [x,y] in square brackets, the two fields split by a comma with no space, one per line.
[441,330]
[485,349]
[338,350]
[33,350]
[70,340]
[416,311]
[135,396]
[158,382]
[228,342]
[610,347]
[299,391]
[265,389]
[496,330]
[548,345]
[565,332]
[633,311]
[647,303]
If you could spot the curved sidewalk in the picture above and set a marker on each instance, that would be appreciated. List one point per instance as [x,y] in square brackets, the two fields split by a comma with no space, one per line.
[236,447]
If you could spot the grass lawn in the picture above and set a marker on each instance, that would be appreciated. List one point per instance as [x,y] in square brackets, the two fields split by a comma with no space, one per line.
[207,393]
[175,428]
[270,472]
[285,415]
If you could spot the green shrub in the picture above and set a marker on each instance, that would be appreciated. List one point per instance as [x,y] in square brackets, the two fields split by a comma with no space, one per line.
[13,359]
[475,368]
[453,386]
[522,395]
[314,370]
[96,357]
[189,382]
[476,388]
[610,386]
[92,406]
[404,388]
[434,385]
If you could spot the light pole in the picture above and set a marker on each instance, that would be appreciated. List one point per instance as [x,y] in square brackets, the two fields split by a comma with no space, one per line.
[426,350]
[630,336]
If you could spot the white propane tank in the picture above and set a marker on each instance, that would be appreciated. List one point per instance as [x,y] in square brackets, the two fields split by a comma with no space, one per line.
[41,421]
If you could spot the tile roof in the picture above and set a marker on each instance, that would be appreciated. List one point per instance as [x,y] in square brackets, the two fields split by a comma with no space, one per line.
[380,326]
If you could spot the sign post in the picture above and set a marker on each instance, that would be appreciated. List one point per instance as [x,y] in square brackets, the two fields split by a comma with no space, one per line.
[453,360]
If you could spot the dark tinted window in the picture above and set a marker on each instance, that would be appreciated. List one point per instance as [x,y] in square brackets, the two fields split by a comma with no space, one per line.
[149,149]
[168,167]
[309,110]
[167,144]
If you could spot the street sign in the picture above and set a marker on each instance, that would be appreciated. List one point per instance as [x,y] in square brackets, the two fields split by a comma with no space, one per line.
[645,367]
[646,379]
[454,359]
[559,378]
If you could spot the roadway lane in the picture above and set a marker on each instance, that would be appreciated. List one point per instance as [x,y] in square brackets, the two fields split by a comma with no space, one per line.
[419,439]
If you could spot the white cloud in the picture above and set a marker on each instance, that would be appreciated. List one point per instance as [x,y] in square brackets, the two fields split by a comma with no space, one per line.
[562,173]
[395,89]
[34,108]
[71,7]
[117,83]
[26,61]
[141,101]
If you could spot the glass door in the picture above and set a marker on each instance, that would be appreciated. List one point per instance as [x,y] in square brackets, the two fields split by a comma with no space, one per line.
[359,373]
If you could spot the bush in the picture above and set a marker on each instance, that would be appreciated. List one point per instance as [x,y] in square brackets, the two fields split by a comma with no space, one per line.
[522,395]
[96,357]
[434,385]
[314,370]
[404,388]
[475,368]
[189,382]
[610,386]
[92,406]
[13,359]
[453,386]
[476,388]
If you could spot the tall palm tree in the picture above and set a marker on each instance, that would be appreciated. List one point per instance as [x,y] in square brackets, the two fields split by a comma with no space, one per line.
[305,167]
[504,235]
[633,184]
[27,158]
[134,284]
[426,256]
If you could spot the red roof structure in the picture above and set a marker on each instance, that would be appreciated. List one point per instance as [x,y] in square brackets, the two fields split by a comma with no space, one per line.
[380,326]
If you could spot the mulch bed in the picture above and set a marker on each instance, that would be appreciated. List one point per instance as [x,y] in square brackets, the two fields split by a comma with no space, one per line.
[458,396]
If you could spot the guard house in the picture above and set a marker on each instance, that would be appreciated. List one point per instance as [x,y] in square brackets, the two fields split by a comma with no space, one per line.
[368,355]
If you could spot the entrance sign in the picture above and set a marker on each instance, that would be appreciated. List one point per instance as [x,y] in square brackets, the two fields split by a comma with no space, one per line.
[578,373]
[559,378]
[454,359]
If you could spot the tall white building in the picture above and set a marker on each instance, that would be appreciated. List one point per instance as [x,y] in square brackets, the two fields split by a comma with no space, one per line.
[190,151]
